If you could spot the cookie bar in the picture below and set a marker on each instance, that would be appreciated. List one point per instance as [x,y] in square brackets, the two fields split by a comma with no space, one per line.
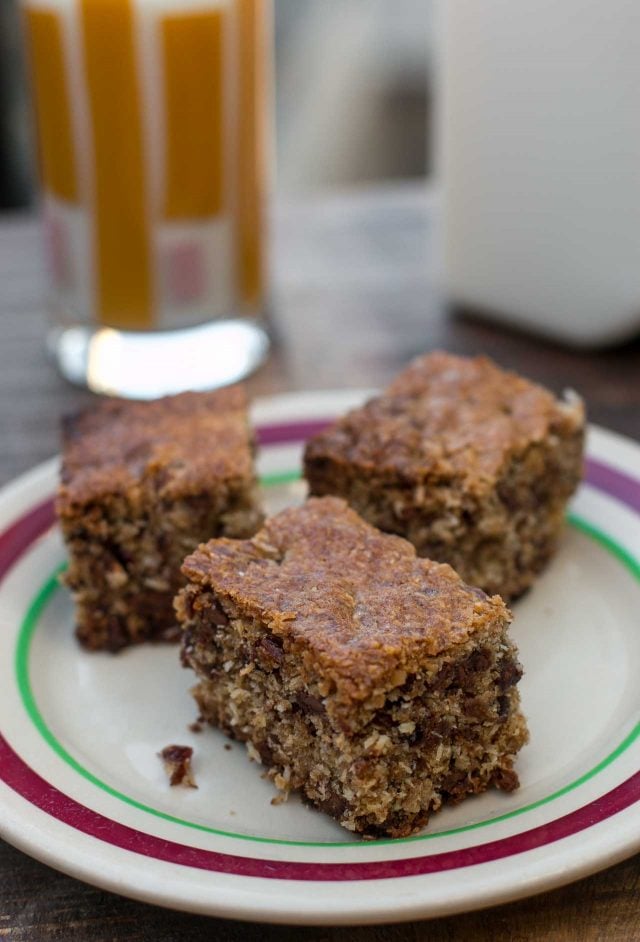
[142,484]
[375,682]
[472,464]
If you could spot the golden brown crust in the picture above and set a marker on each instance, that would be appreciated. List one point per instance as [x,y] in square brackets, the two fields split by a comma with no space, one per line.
[358,604]
[174,446]
[447,418]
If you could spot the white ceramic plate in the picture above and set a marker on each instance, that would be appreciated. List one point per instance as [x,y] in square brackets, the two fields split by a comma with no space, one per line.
[82,787]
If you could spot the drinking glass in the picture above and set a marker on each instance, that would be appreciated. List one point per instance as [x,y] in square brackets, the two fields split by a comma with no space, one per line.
[152,122]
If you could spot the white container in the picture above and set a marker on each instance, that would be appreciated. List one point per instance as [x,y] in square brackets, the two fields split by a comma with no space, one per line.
[540,155]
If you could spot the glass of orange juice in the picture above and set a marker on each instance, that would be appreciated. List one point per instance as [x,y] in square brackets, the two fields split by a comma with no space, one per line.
[153,125]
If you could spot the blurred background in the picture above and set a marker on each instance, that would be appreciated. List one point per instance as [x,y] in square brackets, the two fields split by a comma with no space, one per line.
[352,91]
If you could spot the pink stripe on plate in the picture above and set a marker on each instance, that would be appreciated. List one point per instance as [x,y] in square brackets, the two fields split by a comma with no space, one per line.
[36,790]
[17,538]
[290,431]
[616,483]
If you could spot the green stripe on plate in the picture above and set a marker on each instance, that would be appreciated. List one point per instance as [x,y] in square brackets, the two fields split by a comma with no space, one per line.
[279,478]
[38,604]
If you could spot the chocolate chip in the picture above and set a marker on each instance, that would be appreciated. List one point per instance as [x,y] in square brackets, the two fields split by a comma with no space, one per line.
[479,661]
[310,704]
[188,648]
[187,603]
[443,679]
[462,675]
[334,805]
[217,616]
[510,674]
[177,763]
[383,718]
[269,652]
[504,706]
[117,636]
[175,753]
[455,785]
[397,824]
[265,752]
[505,779]
[118,553]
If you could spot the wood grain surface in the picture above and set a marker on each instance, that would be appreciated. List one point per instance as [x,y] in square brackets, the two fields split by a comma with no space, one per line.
[354,297]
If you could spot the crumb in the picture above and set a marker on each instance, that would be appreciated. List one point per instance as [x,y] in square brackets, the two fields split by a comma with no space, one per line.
[177,764]
[280,798]
[196,726]
[228,746]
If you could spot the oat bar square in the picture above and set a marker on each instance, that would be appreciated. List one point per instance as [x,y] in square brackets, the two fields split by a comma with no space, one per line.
[474,465]
[142,484]
[375,682]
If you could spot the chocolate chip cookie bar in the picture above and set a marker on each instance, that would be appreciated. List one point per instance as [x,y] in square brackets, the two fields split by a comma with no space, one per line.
[142,484]
[376,683]
[474,465]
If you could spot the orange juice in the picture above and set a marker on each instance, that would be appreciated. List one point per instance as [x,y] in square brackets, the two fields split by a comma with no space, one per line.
[151,119]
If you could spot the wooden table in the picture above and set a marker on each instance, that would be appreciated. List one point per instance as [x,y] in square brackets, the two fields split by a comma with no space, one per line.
[354,298]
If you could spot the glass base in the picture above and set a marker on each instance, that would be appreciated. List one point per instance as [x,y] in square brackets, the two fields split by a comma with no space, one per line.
[146,365]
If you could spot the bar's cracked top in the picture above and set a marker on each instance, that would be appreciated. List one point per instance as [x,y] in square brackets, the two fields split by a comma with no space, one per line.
[361,609]
[448,419]
[170,447]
